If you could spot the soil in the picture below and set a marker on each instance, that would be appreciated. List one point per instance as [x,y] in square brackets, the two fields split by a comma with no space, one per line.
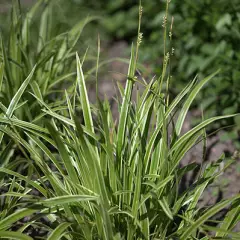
[5,5]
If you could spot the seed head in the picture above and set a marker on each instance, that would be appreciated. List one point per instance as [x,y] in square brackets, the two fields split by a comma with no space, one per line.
[236,155]
[140,10]
[140,37]
[167,56]
[164,23]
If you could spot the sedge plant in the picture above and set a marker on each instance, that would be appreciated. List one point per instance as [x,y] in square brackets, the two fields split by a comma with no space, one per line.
[37,48]
[36,57]
[78,174]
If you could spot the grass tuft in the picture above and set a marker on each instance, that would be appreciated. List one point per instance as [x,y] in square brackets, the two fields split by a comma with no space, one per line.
[70,172]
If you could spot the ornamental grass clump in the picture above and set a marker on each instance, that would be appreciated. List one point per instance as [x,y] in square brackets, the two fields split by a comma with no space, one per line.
[40,49]
[76,173]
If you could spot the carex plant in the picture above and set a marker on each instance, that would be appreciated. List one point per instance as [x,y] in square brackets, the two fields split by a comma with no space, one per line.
[28,51]
[84,175]
[34,57]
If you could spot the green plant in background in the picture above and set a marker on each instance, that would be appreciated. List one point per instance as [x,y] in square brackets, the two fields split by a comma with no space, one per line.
[210,38]
[81,177]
